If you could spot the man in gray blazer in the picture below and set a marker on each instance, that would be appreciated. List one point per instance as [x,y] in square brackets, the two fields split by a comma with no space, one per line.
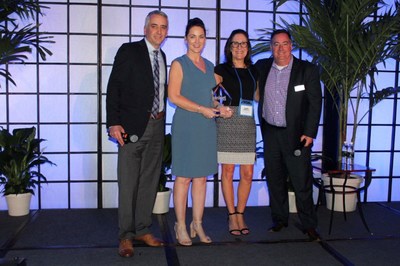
[135,106]
[289,111]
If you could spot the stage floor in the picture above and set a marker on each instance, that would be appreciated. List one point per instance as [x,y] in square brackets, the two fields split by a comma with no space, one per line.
[89,237]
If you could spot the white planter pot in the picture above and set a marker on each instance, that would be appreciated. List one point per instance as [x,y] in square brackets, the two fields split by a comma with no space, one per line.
[350,198]
[161,205]
[292,202]
[18,204]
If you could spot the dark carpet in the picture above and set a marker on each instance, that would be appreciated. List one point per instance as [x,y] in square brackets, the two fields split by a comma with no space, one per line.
[89,237]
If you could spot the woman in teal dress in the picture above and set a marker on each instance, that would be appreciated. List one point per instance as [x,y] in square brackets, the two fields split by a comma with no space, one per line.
[194,137]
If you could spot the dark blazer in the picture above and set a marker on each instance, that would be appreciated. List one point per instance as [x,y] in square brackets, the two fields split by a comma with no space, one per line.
[130,90]
[303,108]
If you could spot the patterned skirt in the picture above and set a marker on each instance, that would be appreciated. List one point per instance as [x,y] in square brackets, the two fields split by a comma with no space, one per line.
[236,139]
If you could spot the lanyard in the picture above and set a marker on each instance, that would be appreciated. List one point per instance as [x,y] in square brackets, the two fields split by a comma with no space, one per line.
[240,81]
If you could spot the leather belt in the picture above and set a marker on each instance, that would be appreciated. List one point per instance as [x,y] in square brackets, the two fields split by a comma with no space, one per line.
[158,116]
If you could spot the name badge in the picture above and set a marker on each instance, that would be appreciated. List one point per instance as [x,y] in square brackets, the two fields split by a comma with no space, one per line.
[245,107]
[299,88]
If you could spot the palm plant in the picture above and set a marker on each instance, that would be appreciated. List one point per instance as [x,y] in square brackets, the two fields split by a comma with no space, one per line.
[17,41]
[347,39]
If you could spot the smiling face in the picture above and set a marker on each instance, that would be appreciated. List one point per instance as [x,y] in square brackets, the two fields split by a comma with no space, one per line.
[156,30]
[196,39]
[239,47]
[281,47]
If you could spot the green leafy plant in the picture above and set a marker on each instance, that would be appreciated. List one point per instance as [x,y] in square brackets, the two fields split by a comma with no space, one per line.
[347,39]
[19,160]
[17,41]
[166,164]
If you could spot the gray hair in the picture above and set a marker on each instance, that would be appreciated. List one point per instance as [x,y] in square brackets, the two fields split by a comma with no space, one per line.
[154,12]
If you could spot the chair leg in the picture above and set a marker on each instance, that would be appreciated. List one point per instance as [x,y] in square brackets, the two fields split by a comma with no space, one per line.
[344,204]
[359,206]
[319,200]
[332,211]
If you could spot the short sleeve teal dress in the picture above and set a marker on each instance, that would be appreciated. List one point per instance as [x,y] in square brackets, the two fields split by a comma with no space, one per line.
[194,137]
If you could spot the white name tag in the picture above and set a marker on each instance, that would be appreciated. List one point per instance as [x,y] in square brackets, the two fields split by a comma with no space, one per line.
[299,88]
[246,108]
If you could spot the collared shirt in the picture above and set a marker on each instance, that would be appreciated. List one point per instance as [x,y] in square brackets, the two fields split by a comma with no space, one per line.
[163,73]
[276,88]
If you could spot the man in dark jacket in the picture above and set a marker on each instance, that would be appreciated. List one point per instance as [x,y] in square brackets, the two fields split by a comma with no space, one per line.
[289,113]
[136,119]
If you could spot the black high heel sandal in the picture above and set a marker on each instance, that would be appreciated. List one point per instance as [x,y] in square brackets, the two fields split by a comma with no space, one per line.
[232,231]
[244,231]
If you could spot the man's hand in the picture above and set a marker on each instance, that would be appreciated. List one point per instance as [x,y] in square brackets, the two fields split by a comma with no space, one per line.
[116,133]
[309,140]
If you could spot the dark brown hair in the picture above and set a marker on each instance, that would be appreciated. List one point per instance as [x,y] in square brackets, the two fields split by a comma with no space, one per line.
[195,22]
[228,52]
[275,32]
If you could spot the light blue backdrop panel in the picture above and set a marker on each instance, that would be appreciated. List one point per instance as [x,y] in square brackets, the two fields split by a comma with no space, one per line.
[60,96]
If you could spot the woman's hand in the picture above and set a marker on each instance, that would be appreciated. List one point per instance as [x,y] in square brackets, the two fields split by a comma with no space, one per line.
[225,111]
[208,112]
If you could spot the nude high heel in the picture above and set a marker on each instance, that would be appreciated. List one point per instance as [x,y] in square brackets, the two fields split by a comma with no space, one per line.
[197,229]
[181,235]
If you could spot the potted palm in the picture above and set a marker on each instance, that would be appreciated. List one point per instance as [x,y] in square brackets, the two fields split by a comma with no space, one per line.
[347,39]
[20,158]
[17,41]
[163,197]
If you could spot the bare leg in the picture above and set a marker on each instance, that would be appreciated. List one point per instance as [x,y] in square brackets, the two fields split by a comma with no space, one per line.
[227,191]
[198,198]
[246,176]
[181,187]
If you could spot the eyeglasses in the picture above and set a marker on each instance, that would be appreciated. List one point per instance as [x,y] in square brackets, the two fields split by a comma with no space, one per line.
[241,44]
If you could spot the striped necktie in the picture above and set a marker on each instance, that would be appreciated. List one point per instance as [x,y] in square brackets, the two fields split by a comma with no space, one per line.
[156,76]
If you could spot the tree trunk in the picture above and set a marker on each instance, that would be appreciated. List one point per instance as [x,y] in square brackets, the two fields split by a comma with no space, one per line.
[330,136]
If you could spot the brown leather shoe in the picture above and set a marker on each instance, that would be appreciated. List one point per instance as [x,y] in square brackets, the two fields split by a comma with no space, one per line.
[150,240]
[125,248]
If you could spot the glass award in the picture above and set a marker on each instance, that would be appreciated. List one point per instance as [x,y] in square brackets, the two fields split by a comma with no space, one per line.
[221,95]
